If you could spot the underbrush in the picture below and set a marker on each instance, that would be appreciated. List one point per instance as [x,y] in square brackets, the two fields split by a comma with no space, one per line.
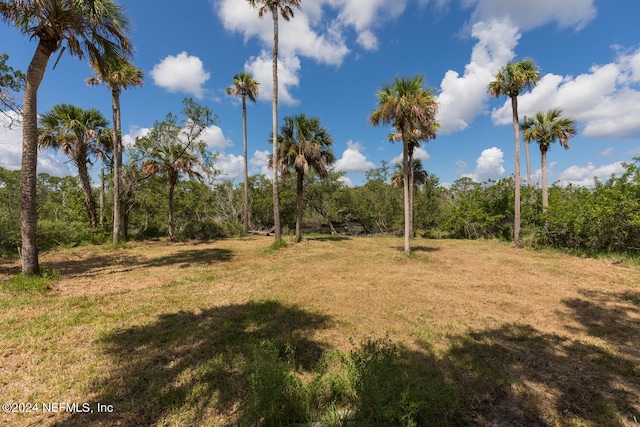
[377,384]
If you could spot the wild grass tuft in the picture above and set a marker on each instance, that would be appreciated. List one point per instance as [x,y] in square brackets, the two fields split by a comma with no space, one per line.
[38,283]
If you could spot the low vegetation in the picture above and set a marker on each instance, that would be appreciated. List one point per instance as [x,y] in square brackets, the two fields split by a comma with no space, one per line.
[344,330]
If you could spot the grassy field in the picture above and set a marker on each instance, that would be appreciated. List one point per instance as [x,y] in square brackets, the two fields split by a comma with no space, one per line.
[232,332]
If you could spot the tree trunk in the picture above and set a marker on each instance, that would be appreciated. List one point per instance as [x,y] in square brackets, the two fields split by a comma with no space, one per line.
[28,173]
[545,190]
[299,206]
[407,206]
[528,157]
[118,231]
[411,178]
[245,208]
[85,183]
[101,197]
[276,205]
[516,137]
[171,221]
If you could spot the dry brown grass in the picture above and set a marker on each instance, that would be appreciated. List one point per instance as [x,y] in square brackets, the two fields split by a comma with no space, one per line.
[527,337]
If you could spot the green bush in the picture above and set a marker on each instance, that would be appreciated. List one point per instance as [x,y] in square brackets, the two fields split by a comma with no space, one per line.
[275,396]
[10,239]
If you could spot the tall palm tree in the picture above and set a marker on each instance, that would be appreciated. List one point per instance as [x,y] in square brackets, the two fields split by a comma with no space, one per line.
[547,128]
[80,134]
[511,81]
[411,109]
[285,8]
[245,87]
[303,143]
[118,74]
[84,27]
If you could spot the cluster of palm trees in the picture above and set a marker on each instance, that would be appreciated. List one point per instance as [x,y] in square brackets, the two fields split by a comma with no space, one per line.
[82,28]
[99,30]
[545,128]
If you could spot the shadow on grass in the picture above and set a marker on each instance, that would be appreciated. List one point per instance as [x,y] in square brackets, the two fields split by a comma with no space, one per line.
[98,262]
[327,238]
[418,248]
[190,365]
[517,375]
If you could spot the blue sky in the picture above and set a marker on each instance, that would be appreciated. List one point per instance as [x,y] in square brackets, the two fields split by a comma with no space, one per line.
[335,55]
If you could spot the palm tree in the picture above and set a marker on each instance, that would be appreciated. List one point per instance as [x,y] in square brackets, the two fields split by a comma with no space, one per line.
[85,27]
[303,143]
[245,87]
[411,109]
[119,74]
[511,81]
[417,177]
[285,8]
[171,150]
[80,134]
[547,128]
[170,165]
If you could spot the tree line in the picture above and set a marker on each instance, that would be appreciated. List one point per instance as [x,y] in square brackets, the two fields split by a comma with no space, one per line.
[592,220]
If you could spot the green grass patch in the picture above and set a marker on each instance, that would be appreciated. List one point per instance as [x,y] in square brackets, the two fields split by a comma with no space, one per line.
[39,283]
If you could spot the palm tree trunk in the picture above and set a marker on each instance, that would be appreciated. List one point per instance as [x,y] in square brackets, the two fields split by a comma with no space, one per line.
[117,166]
[276,206]
[245,208]
[85,183]
[545,190]
[528,158]
[171,219]
[516,137]
[411,179]
[299,206]
[407,206]
[101,198]
[28,174]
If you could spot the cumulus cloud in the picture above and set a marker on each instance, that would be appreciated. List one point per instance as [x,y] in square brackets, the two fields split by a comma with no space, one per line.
[260,162]
[584,175]
[528,15]
[353,160]
[49,161]
[129,138]
[215,139]
[606,99]
[260,68]
[488,165]
[419,153]
[231,167]
[181,73]
[463,98]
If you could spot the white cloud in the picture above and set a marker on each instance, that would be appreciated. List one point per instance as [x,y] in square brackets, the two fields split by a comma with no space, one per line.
[261,68]
[215,139]
[231,167]
[584,175]
[528,14]
[11,151]
[134,132]
[181,73]
[304,35]
[353,160]
[488,165]
[346,181]
[606,99]
[419,153]
[259,162]
[463,98]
